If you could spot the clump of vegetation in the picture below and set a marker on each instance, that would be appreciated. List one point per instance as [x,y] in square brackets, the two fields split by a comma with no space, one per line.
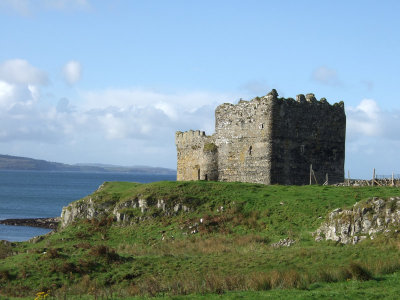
[5,250]
[52,253]
[103,251]
[210,147]
[5,275]
[359,273]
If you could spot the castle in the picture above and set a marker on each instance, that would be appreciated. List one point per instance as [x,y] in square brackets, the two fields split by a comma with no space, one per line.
[268,140]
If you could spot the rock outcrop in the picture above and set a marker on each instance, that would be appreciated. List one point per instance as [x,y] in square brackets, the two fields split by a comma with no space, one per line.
[284,243]
[50,223]
[130,210]
[364,220]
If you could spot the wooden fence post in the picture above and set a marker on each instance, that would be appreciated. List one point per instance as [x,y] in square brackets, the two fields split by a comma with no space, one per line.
[348,177]
[373,178]
[326,179]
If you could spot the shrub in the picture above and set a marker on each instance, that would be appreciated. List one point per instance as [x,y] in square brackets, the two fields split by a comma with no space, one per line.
[5,275]
[259,282]
[83,245]
[5,250]
[82,235]
[52,253]
[150,286]
[67,267]
[291,279]
[85,266]
[359,273]
[105,252]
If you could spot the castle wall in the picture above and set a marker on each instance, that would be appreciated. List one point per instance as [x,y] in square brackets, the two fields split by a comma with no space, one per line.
[243,137]
[307,132]
[197,156]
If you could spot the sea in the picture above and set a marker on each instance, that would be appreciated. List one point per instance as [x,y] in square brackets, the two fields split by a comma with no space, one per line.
[43,194]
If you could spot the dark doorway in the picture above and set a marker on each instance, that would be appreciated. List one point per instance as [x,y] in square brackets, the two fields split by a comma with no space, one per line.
[198,174]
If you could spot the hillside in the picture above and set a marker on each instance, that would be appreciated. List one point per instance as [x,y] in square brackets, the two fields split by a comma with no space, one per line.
[8,162]
[178,238]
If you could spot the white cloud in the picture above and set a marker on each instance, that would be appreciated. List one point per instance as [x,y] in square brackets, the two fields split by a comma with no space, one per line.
[142,97]
[125,131]
[150,115]
[6,92]
[369,120]
[72,71]
[372,139]
[145,120]
[19,71]
[14,96]
[326,76]
[364,119]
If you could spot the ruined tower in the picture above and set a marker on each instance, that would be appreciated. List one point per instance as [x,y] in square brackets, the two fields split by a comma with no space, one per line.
[268,140]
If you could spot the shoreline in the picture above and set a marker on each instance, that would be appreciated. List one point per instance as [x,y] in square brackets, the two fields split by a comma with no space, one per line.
[48,223]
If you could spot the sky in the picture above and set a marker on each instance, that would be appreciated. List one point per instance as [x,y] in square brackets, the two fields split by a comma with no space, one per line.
[85,81]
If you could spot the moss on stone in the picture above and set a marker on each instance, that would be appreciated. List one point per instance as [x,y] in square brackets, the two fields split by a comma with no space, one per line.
[210,147]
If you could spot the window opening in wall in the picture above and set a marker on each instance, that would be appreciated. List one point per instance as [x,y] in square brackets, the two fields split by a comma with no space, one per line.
[250,148]
[261,126]
[198,174]
[302,149]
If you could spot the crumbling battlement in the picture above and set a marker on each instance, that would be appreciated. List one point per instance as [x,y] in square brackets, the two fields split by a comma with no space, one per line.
[191,137]
[267,140]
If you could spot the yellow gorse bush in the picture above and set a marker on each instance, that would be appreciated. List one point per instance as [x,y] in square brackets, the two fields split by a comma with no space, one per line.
[42,295]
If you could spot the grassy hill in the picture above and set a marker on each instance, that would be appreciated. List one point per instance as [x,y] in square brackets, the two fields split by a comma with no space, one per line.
[223,244]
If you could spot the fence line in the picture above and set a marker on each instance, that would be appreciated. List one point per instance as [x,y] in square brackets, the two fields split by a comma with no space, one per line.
[395,176]
[377,180]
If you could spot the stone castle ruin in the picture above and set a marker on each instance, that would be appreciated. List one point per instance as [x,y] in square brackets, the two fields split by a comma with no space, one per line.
[268,140]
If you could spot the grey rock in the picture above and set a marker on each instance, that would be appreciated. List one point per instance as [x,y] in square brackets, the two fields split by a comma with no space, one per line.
[364,220]
[284,243]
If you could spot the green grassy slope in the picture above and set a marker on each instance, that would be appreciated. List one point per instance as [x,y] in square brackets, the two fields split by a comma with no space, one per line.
[230,252]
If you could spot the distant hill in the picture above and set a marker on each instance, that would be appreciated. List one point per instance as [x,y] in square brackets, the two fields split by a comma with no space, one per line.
[8,162]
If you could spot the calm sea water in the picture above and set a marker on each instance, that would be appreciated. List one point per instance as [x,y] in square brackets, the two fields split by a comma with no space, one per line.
[39,194]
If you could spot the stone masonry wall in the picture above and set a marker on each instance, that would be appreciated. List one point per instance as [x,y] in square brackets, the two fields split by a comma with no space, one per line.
[267,140]
[243,136]
[197,156]
[307,132]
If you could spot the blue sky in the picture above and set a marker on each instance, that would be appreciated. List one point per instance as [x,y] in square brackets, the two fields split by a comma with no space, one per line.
[111,81]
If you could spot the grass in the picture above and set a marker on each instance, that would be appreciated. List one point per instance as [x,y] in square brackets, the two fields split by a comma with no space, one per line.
[229,256]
